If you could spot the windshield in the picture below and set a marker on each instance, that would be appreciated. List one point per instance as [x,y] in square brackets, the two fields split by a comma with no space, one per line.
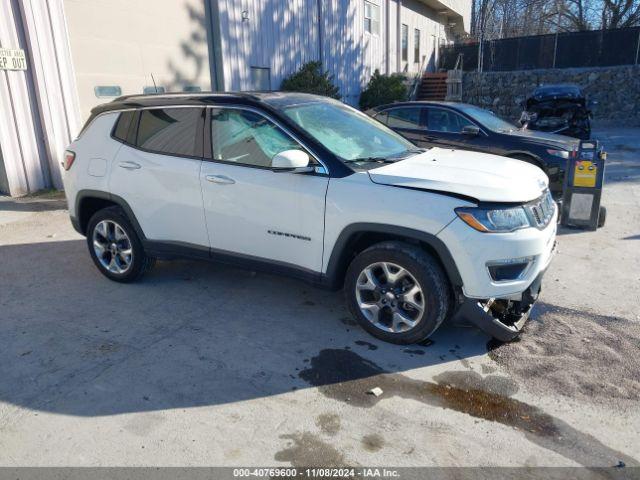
[488,119]
[349,134]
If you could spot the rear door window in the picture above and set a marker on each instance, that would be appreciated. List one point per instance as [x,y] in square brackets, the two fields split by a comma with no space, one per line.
[409,117]
[171,131]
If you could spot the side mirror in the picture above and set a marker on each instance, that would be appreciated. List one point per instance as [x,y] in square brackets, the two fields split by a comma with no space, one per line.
[471,130]
[291,161]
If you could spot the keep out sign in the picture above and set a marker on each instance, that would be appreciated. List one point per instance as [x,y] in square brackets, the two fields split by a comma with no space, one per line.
[12,59]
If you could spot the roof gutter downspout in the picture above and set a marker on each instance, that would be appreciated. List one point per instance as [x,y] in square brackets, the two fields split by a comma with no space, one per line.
[320,34]
[214,41]
[399,37]
[387,24]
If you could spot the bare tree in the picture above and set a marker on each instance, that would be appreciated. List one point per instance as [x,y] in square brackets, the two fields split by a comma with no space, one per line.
[620,13]
[493,19]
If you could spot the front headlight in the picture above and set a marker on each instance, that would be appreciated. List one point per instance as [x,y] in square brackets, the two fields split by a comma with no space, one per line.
[494,219]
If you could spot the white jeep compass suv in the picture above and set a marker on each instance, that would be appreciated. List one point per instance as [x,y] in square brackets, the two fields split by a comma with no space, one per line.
[307,186]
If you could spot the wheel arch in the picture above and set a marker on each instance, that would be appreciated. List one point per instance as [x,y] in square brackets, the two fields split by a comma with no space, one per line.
[359,236]
[88,202]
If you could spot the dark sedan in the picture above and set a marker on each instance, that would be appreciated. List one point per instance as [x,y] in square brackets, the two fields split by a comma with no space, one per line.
[467,127]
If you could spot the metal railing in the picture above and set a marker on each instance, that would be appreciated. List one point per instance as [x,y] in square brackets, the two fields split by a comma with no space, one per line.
[454,81]
[418,79]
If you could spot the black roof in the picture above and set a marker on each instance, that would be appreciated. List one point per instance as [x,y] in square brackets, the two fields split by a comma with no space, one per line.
[417,103]
[275,99]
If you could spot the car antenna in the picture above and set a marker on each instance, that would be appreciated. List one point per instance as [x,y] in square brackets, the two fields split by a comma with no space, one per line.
[154,82]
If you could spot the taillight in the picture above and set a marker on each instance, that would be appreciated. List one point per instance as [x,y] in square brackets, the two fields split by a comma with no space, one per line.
[69,158]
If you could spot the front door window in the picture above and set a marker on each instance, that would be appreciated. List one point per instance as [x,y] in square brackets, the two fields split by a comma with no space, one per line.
[247,138]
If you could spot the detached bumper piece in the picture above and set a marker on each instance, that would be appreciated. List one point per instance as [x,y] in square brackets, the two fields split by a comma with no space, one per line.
[500,318]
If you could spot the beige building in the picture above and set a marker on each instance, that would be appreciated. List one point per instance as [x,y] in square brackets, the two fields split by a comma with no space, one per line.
[79,53]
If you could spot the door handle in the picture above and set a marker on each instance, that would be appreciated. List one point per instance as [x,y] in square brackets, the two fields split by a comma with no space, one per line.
[130,165]
[220,179]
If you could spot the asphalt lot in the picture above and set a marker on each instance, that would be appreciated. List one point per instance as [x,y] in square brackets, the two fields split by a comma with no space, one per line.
[202,364]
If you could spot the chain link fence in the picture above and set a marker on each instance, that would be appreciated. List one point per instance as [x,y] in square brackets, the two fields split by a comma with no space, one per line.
[597,48]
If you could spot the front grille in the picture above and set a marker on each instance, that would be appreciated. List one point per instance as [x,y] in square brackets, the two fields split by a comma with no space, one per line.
[542,210]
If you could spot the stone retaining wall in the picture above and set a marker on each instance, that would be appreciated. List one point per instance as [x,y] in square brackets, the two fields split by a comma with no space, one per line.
[615,91]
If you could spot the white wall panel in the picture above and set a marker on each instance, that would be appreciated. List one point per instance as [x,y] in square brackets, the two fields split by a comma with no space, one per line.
[21,150]
[270,34]
[53,79]
[125,42]
[283,35]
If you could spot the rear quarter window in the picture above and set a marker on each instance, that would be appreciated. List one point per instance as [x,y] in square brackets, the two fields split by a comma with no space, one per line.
[123,126]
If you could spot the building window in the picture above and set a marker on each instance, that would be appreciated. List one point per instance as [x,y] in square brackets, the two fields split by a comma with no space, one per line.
[169,131]
[153,90]
[260,78]
[107,91]
[404,43]
[371,18]
[416,46]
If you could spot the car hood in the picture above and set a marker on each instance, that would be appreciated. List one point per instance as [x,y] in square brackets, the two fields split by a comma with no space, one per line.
[484,177]
[543,138]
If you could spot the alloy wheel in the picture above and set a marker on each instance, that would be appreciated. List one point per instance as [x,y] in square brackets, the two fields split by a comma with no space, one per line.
[112,247]
[389,297]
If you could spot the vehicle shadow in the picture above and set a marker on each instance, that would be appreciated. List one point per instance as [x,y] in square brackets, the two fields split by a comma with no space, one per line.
[189,334]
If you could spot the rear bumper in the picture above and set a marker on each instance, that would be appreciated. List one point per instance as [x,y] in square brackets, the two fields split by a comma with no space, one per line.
[503,319]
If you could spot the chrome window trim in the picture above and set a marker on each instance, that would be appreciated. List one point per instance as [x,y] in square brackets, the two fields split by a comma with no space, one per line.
[132,109]
[232,106]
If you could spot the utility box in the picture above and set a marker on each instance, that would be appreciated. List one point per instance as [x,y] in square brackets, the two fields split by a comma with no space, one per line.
[583,183]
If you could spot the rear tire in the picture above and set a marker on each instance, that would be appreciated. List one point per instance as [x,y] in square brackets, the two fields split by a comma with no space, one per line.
[397,292]
[115,248]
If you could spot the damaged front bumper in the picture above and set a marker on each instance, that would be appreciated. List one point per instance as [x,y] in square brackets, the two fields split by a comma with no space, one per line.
[503,319]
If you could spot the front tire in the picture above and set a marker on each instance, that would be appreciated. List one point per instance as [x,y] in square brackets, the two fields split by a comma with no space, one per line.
[114,246]
[397,292]
[602,217]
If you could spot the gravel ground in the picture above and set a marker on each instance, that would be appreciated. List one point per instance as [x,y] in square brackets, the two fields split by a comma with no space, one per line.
[577,355]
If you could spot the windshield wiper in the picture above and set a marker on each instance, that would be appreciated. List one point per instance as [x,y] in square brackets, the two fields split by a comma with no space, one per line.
[371,160]
[390,159]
